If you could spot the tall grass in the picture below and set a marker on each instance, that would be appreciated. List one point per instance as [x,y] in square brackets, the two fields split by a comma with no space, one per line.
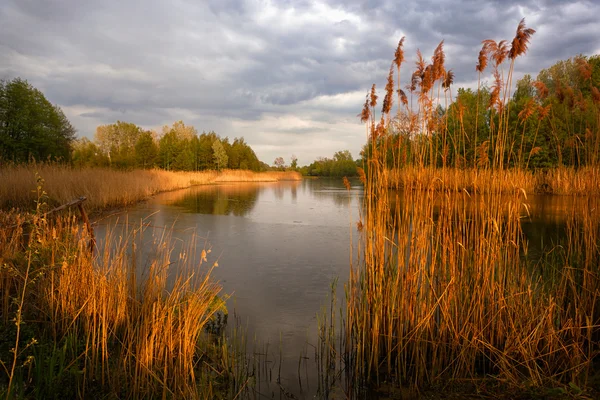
[446,291]
[106,188]
[564,181]
[84,325]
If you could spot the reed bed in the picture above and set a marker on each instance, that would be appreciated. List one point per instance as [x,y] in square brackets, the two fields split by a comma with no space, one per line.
[446,293]
[107,188]
[84,325]
[249,176]
[558,181]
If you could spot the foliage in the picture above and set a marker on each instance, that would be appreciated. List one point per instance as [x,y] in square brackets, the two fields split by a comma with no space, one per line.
[220,156]
[279,163]
[124,145]
[146,150]
[294,162]
[30,126]
[340,165]
[87,154]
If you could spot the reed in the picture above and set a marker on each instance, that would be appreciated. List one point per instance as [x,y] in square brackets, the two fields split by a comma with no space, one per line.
[446,291]
[111,323]
[107,188]
[558,181]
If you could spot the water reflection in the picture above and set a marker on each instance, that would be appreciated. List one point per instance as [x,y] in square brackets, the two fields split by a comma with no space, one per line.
[543,218]
[279,246]
[218,200]
[334,189]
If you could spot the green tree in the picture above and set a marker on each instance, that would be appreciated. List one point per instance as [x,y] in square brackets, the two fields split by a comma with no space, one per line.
[294,163]
[146,150]
[219,155]
[167,149]
[87,154]
[184,160]
[118,142]
[30,126]
[204,150]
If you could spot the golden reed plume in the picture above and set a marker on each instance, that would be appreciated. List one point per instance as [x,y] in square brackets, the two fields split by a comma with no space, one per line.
[521,40]
[399,54]
[389,92]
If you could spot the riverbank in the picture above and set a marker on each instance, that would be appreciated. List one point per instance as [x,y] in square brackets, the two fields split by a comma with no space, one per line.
[78,323]
[106,188]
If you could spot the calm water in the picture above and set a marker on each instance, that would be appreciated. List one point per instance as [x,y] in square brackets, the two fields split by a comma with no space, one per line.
[279,248]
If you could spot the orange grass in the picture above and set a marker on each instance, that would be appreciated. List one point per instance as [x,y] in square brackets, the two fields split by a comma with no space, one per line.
[446,291]
[106,188]
[559,181]
[127,332]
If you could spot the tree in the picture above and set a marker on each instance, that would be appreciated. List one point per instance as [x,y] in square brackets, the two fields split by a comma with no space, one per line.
[118,142]
[87,154]
[30,126]
[279,162]
[146,150]
[184,160]
[294,163]
[219,155]
[167,150]
[204,150]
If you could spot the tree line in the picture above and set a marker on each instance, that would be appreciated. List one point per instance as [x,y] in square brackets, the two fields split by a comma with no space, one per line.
[32,128]
[178,147]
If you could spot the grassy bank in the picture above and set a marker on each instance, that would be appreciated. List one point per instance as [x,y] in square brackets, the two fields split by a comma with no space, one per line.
[81,325]
[107,188]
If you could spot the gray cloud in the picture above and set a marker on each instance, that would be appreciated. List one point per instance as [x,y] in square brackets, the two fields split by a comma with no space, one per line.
[288,75]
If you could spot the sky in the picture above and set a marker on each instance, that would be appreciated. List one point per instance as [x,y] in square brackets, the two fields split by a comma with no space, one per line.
[289,76]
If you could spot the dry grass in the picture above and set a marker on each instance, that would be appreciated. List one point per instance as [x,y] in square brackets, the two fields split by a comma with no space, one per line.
[249,176]
[446,290]
[118,332]
[106,188]
[558,181]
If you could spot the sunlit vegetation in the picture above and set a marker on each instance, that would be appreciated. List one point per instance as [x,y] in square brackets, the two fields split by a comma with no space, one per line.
[339,166]
[78,323]
[124,145]
[108,188]
[446,294]
[30,126]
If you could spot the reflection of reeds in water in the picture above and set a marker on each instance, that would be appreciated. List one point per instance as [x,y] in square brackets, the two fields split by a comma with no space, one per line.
[225,199]
[88,326]
[444,293]
[106,188]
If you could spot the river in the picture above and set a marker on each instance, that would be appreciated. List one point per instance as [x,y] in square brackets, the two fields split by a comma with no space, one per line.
[279,247]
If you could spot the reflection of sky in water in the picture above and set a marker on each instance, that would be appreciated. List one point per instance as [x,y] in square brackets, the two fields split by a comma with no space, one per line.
[280,245]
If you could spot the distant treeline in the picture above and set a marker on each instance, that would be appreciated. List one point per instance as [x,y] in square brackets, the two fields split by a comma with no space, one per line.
[340,165]
[178,147]
[31,128]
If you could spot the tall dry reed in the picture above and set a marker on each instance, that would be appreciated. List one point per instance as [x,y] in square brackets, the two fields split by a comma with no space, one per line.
[121,324]
[106,188]
[446,291]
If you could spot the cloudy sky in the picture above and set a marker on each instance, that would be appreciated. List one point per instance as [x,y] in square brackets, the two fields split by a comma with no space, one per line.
[289,76]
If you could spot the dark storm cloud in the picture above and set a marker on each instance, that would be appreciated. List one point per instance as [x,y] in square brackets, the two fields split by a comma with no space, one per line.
[288,75]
